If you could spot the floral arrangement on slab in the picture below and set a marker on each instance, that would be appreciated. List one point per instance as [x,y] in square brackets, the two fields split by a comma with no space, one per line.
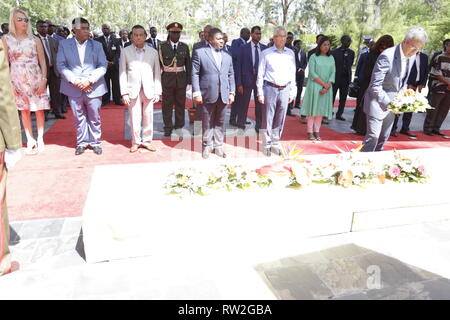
[409,101]
[403,169]
[292,171]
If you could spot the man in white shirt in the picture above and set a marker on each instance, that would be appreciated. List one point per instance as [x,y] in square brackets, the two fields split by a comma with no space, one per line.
[276,88]
[140,82]
[82,65]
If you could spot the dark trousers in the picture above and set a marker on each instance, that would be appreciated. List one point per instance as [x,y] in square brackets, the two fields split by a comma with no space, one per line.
[112,75]
[435,117]
[173,97]
[298,98]
[213,123]
[235,107]
[54,83]
[406,121]
[359,123]
[243,110]
[342,86]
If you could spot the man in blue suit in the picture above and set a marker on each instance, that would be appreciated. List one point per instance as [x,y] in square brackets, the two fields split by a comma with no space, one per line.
[389,77]
[82,65]
[246,72]
[213,87]
[235,45]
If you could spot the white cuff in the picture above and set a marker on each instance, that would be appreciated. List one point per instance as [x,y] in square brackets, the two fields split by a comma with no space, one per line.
[196,94]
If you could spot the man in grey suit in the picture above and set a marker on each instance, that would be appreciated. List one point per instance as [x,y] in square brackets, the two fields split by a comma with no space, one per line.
[389,77]
[82,65]
[213,86]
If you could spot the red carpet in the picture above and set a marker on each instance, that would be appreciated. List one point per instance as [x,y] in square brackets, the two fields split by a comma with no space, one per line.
[55,183]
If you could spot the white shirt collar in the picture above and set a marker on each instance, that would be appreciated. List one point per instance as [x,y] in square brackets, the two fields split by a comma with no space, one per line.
[139,49]
[402,55]
[81,45]
[174,44]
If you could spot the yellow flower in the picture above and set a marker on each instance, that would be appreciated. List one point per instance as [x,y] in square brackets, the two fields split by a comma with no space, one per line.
[345,179]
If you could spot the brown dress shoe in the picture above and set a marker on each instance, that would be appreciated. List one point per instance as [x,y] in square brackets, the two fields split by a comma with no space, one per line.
[149,147]
[134,148]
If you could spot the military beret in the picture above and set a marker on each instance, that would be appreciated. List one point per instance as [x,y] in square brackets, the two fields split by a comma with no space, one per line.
[175,27]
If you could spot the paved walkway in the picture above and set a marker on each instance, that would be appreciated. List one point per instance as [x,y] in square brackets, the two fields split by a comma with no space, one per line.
[408,262]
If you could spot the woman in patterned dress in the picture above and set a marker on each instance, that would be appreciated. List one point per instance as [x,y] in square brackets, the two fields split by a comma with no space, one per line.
[28,76]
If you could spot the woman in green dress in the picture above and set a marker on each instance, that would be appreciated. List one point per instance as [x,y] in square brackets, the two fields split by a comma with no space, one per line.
[318,100]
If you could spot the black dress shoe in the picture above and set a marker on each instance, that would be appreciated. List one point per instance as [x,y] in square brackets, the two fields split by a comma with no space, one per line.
[257,131]
[289,113]
[97,150]
[266,152]
[79,150]
[119,104]
[325,121]
[59,116]
[429,133]
[220,153]
[394,134]
[167,133]
[438,133]
[276,151]
[240,127]
[340,118]
[233,123]
[248,122]
[408,133]
[205,153]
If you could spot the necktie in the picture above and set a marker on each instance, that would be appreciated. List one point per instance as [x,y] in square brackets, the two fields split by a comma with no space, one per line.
[49,54]
[175,48]
[154,43]
[406,73]
[255,66]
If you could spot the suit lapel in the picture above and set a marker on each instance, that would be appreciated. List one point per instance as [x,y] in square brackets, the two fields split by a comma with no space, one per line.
[88,52]
[75,50]
[398,64]
[210,55]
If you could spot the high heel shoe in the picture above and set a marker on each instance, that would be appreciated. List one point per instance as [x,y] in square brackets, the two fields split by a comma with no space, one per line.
[31,148]
[40,145]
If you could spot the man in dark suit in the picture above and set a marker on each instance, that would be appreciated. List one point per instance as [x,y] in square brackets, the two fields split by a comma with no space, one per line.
[123,34]
[312,51]
[5,29]
[300,63]
[343,58]
[226,47]
[246,73]
[204,41]
[289,44]
[213,86]
[111,47]
[235,45]
[417,81]
[53,78]
[152,40]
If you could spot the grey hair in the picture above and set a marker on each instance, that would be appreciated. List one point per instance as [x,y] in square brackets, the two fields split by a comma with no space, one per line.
[417,33]
[278,29]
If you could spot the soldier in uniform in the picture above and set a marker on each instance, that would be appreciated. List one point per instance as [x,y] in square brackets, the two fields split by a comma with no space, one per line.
[10,144]
[176,69]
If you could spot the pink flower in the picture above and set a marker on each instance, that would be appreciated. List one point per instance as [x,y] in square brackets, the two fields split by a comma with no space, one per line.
[394,172]
[422,170]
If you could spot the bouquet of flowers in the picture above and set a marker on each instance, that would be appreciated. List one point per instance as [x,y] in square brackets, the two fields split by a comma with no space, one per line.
[403,169]
[190,181]
[409,101]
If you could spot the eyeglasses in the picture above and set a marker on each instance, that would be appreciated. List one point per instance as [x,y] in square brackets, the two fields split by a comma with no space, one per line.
[19,19]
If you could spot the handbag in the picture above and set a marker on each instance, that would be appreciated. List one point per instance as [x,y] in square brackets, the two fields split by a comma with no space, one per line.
[353,89]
